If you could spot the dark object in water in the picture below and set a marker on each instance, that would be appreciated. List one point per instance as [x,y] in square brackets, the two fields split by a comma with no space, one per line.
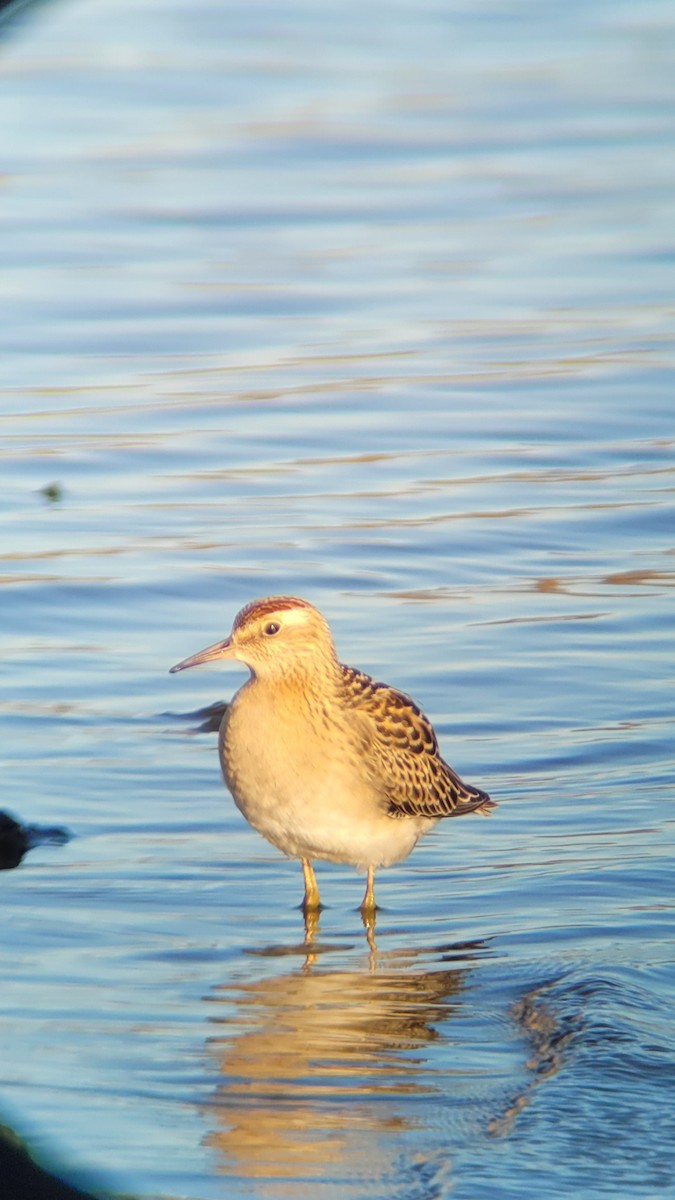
[53,492]
[16,839]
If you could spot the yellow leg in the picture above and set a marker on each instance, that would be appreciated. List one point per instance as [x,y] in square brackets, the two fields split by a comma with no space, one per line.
[312,899]
[368,903]
[368,910]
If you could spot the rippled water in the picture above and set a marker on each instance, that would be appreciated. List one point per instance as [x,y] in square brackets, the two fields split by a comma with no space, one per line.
[373,306]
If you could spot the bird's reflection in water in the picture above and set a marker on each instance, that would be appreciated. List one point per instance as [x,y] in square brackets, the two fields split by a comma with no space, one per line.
[318,1065]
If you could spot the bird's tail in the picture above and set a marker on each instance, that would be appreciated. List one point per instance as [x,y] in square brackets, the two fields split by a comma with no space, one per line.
[485,806]
[473,800]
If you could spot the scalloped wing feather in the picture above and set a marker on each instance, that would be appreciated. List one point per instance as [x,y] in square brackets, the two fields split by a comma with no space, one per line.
[413,777]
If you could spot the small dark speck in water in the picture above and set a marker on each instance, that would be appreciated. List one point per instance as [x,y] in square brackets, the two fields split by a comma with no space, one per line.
[53,492]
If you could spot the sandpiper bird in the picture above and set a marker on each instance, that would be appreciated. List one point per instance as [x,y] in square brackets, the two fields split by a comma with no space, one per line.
[323,761]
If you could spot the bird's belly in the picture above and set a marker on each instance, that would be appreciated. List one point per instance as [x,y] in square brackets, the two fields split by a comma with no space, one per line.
[310,809]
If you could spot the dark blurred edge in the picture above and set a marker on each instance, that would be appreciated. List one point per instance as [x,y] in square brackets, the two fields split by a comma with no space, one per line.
[22,1177]
[16,839]
[11,9]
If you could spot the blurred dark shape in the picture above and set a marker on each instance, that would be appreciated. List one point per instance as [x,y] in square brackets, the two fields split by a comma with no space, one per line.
[53,492]
[210,717]
[16,839]
[21,1178]
[15,8]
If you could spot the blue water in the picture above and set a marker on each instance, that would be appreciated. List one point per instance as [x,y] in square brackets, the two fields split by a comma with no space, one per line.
[375,307]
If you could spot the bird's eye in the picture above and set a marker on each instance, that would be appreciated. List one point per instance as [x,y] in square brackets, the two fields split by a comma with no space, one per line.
[271,628]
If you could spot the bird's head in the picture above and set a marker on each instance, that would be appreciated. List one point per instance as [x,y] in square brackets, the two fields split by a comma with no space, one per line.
[278,636]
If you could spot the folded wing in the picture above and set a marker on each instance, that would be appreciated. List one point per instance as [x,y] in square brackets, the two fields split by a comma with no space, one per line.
[403,754]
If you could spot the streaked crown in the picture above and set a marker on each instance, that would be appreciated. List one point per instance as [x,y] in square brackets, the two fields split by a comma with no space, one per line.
[280,634]
[276,636]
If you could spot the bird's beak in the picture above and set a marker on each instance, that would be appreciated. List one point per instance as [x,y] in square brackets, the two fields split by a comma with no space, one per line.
[219,650]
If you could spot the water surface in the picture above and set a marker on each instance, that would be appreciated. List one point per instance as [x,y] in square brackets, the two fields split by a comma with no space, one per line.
[374,307]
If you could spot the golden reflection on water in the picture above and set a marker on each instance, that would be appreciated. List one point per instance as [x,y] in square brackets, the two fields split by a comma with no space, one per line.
[318,1066]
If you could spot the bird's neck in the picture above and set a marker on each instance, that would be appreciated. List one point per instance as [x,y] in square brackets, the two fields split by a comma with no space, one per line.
[303,685]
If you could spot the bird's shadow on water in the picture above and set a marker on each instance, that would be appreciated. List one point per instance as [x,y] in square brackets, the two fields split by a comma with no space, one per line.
[312,947]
